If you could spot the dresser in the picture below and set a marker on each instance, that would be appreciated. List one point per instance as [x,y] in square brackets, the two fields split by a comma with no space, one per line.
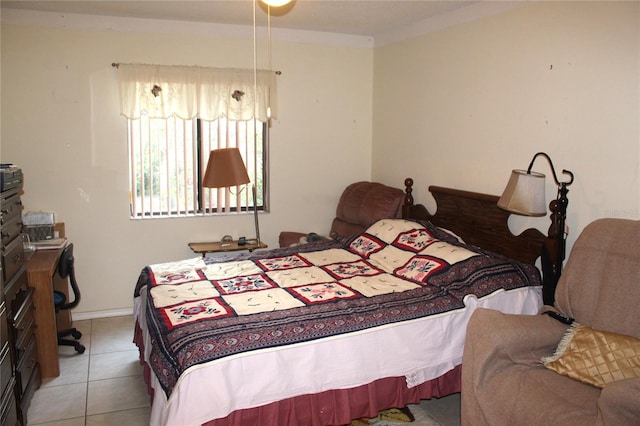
[20,372]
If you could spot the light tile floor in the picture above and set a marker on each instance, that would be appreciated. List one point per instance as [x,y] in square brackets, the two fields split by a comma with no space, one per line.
[104,385]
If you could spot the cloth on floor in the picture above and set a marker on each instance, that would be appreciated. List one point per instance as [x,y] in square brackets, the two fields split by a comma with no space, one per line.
[390,416]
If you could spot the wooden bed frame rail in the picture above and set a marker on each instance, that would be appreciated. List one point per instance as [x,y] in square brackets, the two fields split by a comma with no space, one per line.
[477,219]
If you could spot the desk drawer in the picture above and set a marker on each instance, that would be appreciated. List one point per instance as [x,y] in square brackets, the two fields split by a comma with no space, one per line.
[28,361]
[4,330]
[12,258]
[24,323]
[27,394]
[11,208]
[6,368]
[8,407]
[11,229]
[12,288]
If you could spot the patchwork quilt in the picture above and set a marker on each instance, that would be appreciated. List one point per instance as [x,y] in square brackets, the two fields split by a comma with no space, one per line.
[200,310]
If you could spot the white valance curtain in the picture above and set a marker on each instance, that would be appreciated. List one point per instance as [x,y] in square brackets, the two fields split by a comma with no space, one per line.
[162,91]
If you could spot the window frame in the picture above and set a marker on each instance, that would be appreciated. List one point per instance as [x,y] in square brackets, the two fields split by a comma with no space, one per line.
[200,195]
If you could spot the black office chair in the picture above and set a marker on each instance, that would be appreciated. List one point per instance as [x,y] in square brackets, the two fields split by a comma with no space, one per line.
[65,269]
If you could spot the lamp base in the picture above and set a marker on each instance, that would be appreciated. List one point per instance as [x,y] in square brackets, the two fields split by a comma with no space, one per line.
[255,214]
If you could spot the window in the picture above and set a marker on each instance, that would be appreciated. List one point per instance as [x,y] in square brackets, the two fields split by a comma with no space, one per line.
[168,158]
[176,115]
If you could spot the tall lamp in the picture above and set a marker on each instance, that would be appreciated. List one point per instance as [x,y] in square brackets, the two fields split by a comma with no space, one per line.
[225,169]
[525,195]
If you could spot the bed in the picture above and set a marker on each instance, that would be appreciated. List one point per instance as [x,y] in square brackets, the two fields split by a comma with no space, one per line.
[335,330]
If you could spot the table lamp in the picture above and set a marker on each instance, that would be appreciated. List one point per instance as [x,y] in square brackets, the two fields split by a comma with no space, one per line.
[225,169]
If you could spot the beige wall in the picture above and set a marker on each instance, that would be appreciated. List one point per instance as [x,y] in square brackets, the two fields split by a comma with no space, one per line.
[463,106]
[61,124]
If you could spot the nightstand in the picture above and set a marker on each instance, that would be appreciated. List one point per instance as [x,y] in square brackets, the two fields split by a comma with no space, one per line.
[220,247]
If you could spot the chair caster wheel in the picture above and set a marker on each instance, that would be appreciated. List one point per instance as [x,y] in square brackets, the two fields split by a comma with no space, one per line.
[76,334]
[79,348]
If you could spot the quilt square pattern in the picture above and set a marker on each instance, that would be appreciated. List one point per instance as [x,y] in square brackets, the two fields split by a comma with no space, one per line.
[379,284]
[450,253]
[365,245]
[415,240]
[299,276]
[325,257]
[245,283]
[185,313]
[388,229]
[322,292]
[390,258]
[168,295]
[419,268]
[219,271]
[177,272]
[177,276]
[351,269]
[286,262]
[274,299]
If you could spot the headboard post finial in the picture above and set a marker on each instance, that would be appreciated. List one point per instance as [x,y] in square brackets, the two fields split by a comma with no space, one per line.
[408,198]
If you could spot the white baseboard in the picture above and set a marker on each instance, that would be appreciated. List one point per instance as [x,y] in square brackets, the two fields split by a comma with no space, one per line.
[101,314]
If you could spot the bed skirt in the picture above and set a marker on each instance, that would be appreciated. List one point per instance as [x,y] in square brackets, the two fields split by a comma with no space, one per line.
[340,407]
[333,407]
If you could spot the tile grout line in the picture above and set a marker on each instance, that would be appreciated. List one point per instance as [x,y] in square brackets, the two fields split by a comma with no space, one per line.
[86,396]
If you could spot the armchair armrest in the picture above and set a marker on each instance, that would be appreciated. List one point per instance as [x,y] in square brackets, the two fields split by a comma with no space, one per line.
[496,346]
[517,337]
[618,403]
[288,238]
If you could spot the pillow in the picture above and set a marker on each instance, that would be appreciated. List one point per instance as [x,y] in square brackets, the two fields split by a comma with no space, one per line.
[595,357]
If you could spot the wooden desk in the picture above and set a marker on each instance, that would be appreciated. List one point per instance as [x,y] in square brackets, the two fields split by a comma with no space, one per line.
[42,276]
[219,247]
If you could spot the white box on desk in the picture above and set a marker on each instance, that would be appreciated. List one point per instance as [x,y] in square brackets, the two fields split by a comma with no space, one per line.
[38,218]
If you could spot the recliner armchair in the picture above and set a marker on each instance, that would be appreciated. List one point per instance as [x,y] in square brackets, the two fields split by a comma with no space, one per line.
[361,204]
[66,269]
[503,379]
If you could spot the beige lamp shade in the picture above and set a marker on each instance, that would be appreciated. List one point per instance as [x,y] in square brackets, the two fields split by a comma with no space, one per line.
[524,194]
[225,168]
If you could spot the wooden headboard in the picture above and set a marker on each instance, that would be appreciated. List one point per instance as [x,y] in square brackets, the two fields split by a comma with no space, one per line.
[477,219]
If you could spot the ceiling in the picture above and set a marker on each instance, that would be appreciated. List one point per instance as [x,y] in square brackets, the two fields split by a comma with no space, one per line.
[356,17]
